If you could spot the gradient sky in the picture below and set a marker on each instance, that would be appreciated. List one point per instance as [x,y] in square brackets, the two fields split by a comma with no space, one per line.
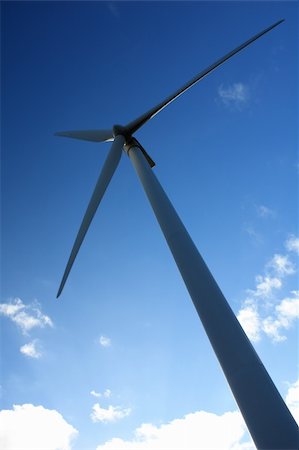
[121,360]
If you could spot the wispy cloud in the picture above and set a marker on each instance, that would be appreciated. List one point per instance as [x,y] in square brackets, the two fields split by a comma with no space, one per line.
[292,244]
[235,96]
[31,350]
[110,414]
[107,393]
[265,285]
[265,212]
[285,314]
[255,237]
[282,265]
[256,321]
[25,316]
[262,312]
[95,394]
[114,10]
[105,341]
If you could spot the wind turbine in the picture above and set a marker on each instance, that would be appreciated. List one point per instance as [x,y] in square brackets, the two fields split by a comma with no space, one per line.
[269,421]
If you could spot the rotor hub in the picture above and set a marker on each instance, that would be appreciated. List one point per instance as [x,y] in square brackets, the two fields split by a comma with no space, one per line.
[123,131]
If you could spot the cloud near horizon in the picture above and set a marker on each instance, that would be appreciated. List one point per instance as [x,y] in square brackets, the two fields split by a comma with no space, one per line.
[40,428]
[194,431]
[29,427]
[198,430]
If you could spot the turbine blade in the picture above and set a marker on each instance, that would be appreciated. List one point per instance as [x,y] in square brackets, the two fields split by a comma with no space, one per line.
[88,135]
[140,121]
[107,172]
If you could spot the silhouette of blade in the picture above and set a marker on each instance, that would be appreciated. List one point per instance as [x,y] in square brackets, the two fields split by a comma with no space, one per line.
[107,172]
[88,135]
[140,121]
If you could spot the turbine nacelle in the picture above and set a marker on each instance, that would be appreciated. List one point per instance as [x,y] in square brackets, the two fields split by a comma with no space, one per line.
[123,131]
[131,141]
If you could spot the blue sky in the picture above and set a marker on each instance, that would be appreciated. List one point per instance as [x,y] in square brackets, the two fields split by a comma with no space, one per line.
[121,360]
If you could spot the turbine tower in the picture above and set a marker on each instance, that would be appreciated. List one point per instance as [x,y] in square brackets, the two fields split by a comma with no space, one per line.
[268,419]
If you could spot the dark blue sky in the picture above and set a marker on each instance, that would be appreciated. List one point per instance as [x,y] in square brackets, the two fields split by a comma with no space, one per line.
[226,153]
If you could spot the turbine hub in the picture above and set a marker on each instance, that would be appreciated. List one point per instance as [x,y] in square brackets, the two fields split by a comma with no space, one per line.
[121,130]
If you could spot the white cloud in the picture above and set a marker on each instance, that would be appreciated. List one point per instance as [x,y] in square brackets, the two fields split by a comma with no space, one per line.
[282,265]
[95,394]
[110,414]
[282,317]
[31,350]
[265,286]
[24,316]
[29,427]
[235,95]
[105,341]
[286,312]
[107,393]
[292,244]
[289,307]
[12,308]
[271,316]
[265,212]
[250,321]
[199,430]
[271,328]
[292,400]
